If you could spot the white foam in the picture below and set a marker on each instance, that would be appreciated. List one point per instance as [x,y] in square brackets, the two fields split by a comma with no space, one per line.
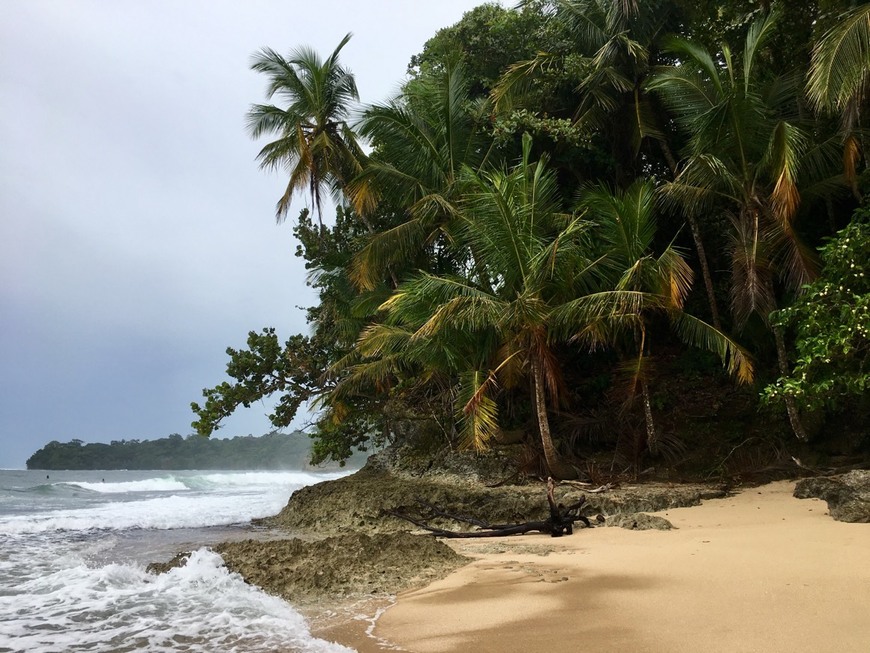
[174,511]
[220,499]
[169,484]
[259,479]
[199,607]
[208,481]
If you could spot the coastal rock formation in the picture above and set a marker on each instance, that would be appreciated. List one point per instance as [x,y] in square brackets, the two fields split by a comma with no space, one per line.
[639,521]
[356,502]
[358,565]
[371,552]
[848,495]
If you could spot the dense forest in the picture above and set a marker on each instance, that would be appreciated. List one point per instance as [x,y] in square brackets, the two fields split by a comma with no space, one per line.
[619,234]
[272,451]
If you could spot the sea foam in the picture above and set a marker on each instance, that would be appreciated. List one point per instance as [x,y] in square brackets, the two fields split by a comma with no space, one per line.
[73,607]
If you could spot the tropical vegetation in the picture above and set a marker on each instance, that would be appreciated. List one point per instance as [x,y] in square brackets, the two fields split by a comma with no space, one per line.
[515,238]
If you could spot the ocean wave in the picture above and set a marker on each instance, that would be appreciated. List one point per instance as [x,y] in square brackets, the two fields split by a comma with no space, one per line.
[165,484]
[174,511]
[207,481]
[199,607]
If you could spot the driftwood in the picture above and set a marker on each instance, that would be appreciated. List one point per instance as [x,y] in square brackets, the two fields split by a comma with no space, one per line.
[560,522]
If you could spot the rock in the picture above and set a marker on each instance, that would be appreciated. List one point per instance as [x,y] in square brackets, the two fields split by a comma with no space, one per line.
[848,495]
[355,502]
[638,521]
[463,467]
[358,565]
[162,567]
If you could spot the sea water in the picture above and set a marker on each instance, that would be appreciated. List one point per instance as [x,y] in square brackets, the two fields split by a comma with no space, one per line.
[74,546]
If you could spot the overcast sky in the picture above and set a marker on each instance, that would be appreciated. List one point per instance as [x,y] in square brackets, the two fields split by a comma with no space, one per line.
[137,235]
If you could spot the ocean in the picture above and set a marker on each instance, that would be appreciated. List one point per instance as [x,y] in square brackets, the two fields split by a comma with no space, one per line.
[74,546]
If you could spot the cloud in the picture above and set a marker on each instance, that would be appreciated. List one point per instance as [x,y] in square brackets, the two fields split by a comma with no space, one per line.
[137,237]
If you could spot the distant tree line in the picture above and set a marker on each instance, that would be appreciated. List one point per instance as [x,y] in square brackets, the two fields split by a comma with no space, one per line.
[275,450]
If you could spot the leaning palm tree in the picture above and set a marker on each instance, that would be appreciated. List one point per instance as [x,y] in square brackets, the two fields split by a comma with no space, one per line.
[530,257]
[745,154]
[535,286]
[315,144]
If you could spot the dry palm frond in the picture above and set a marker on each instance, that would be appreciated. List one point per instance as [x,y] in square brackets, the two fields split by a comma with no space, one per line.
[477,409]
[750,271]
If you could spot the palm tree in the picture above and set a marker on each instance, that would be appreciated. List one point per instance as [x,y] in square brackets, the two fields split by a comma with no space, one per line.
[626,228]
[839,80]
[744,156]
[422,140]
[315,144]
[529,255]
[535,286]
[619,42]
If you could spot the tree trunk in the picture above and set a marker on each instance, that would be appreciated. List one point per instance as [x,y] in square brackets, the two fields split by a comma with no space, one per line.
[705,271]
[648,417]
[557,468]
[699,245]
[790,403]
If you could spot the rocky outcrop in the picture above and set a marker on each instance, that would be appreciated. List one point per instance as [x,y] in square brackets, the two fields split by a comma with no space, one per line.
[847,495]
[337,542]
[389,481]
[347,566]
[639,521]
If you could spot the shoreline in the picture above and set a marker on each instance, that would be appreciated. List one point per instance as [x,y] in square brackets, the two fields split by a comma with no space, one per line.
[756,571]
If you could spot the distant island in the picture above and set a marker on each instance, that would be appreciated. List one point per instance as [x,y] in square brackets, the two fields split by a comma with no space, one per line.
[275,450]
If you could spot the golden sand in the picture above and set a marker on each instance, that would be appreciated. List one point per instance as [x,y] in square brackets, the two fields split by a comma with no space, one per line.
[759,571]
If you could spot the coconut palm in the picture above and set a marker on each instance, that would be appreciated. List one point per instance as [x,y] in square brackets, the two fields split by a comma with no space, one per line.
[315,144]
[839,80]
[626,228]
[744,158]
[422,140]
[530,254]
[619,43]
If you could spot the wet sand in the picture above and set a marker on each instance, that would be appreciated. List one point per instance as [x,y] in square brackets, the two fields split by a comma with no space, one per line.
[759,571]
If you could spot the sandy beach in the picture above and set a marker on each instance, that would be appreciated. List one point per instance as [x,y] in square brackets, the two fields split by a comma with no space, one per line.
[758,571]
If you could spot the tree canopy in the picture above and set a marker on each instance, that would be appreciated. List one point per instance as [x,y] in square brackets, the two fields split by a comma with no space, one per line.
[516,251]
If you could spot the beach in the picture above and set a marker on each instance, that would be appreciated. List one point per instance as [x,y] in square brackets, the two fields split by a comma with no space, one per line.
[756,571]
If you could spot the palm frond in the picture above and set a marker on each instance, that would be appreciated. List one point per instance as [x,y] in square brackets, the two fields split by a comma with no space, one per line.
[787,146]
[383,249]
[698,333]
[839,70]
[478,412]
[516,82]
[750,272]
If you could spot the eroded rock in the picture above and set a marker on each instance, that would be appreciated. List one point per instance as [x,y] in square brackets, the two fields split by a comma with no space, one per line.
[345,566]
[639,521]
[847,495]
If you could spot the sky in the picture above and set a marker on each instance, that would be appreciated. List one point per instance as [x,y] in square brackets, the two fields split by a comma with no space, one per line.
[137,234]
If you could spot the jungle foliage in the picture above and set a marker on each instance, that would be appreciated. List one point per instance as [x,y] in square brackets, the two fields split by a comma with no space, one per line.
[572,208]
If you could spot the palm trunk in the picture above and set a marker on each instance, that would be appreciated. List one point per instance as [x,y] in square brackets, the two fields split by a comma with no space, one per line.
[705,271]
[790,403]
[699,245]
[555,466]
[648,417]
